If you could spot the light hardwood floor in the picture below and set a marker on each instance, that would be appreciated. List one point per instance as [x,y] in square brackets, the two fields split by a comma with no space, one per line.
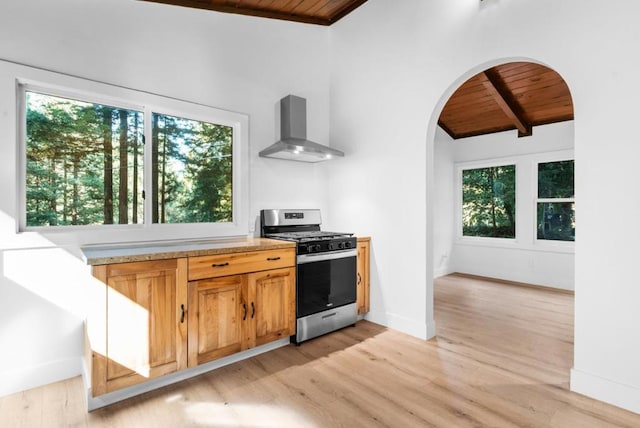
[501,359]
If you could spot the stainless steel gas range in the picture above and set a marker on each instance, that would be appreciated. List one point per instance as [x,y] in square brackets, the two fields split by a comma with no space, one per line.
[325,271]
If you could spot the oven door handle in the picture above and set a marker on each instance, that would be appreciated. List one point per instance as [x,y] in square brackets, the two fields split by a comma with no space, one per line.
[333,255]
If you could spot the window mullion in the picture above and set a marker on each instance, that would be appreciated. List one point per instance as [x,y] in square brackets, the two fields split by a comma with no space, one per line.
[148,169]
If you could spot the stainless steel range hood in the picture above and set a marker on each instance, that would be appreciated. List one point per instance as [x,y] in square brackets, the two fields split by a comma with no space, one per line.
[293,144]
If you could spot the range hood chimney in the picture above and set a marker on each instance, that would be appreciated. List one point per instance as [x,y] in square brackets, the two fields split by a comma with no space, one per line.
[293,144]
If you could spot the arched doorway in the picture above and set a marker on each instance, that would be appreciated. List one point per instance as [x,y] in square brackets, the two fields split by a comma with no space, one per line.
[502,113]
[489,121]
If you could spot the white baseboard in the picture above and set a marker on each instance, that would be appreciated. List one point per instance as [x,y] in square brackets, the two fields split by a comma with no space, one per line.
[609,391]
[442,272]
[94,403]
[423,331]
[33,377]
[524,279]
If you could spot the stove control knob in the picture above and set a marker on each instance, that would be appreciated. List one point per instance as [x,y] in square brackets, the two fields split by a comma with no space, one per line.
[331,247]
[341,245]
[347,244]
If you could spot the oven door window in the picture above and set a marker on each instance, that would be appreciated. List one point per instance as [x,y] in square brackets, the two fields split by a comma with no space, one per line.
[325,284]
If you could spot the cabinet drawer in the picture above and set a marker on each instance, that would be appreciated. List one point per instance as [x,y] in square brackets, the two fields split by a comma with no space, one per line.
[232,264]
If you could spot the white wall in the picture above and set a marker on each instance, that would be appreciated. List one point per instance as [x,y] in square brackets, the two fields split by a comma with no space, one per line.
[394,66]
[231,62]
[523,259]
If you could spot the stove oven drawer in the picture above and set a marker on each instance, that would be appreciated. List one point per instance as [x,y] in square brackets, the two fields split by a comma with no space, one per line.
[232,264]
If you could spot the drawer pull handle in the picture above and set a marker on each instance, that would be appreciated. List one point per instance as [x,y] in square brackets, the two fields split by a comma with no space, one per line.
[253,310]
[244,306]
[273,259]
[182,316]
[359,278]
[220,264]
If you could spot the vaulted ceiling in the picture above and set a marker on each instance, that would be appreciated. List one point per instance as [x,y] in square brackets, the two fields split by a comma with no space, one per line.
[516,95]
[322,12]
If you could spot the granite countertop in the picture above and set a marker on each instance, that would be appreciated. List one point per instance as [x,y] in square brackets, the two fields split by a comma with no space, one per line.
[123,253]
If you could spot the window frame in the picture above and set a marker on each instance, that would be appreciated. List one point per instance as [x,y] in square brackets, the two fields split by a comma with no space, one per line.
[549,244]
[526,203]
[147,103]
[484,240]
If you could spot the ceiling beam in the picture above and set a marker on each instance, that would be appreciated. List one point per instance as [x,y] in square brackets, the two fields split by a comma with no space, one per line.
[503,97]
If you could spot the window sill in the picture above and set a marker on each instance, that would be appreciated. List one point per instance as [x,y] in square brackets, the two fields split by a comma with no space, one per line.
[515,244]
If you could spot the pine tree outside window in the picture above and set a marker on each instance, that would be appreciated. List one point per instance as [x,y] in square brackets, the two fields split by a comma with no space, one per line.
[192,171]
[86,164]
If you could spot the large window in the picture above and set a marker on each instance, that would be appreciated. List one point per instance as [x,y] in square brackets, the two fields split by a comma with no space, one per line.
[89,163]
[489,202]
[84,162]
[192,167]
[556,219]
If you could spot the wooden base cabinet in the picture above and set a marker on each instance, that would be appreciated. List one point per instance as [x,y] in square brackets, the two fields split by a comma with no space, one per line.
[144,332]
[157,317]
[274,293]
[217,311]
[232,313]
[363,269]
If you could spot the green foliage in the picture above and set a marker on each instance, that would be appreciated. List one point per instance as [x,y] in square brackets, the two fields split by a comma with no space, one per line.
[65,148]
[556,220]
[488,202]
[555,179]
[194,171]
[85,161]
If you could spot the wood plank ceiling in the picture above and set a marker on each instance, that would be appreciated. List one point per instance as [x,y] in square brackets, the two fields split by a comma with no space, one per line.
[322,12]
[517,95]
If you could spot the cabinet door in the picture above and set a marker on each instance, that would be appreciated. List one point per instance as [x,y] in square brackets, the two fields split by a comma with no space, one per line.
[146,333]
[273,293]
[362,288]
[218,308]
